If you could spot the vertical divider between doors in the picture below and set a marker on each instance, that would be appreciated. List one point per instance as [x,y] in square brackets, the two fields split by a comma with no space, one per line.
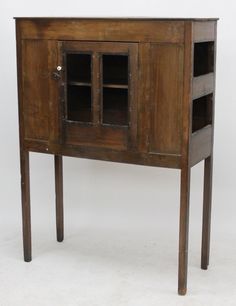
[62,92]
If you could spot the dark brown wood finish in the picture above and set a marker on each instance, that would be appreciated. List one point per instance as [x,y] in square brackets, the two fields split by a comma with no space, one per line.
[203,85]
[201,145]
[184,230]
[185,163]
[103,29]
[208,172]
[162,103]
[25,199]
[206,221]
[36,85]
[166,98]
[24,160]
[144,96]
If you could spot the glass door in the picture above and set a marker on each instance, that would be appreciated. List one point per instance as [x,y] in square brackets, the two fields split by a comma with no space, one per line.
[98,93]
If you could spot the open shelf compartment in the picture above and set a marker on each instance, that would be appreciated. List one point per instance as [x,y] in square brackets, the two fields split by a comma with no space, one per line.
[203,58]
[202,112]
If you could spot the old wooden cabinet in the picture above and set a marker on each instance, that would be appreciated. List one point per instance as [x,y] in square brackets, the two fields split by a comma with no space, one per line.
[137,91]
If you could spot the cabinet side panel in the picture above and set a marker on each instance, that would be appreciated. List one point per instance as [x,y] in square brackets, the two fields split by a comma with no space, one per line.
[35,89]
[204,31]
[166,98]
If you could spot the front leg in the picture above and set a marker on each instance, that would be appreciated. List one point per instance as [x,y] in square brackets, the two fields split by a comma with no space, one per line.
[25,200]
[59,197]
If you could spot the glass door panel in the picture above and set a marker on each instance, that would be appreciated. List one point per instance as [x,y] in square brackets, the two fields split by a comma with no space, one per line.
[79,68]
[79,103]
[115,69]
[79,86]
[115,89]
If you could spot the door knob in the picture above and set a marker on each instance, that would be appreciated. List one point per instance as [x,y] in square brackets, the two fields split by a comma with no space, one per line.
[56,74]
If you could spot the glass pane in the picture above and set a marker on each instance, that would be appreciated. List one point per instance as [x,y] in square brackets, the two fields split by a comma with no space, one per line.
[79,87]
[79,67]
[115,69]
[115,106]
[79,103]
[115,89]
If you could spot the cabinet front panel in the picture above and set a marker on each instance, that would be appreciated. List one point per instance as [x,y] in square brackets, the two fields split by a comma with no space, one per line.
[96,136]
[103,29]
[37,88]
[166,98]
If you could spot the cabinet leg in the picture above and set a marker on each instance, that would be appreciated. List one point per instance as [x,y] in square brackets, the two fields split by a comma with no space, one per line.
[25,200]
[183,230]
[59,197]
[206,221]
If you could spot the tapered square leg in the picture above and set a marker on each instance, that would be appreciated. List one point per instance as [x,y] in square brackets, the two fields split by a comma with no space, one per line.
[206,221]
[25,200]
[183,230]
[59,197]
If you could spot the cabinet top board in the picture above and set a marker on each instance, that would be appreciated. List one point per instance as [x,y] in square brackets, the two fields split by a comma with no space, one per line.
[124,18]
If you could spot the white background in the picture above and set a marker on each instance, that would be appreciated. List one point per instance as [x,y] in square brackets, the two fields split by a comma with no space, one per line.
[121,221]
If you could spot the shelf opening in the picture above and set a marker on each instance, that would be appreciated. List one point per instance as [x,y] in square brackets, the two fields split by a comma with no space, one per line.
[115,69]
[79,105]
[202,112]
[203,58]
[115,106]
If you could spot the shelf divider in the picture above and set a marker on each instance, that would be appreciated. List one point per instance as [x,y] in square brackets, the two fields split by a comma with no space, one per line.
[201,144]
[203,85]
[121,86]
[76,83]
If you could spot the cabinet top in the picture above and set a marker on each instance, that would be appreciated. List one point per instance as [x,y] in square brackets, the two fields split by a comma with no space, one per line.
[123,18]
[160,30]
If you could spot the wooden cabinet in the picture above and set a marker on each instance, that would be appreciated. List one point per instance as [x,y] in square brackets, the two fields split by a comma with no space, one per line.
[137,91]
